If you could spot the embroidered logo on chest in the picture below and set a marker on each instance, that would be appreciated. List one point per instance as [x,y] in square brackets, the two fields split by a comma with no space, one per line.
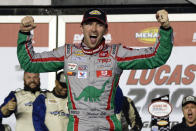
[82,74]
[30,103]
[103,54]
[72,66]
[82,67]
[52,101]
[104,60]
[104,73]
[78,53]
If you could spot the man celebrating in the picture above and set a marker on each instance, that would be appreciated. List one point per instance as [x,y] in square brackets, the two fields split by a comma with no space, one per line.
[189,111]
[93,68]
[20,102]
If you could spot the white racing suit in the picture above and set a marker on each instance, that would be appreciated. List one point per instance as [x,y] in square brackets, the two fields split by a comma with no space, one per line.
[50,112]
[23,112]
[93,75]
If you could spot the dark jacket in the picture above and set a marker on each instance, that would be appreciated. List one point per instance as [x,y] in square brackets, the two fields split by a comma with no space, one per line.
[1,125]
[125,107]
[183,127]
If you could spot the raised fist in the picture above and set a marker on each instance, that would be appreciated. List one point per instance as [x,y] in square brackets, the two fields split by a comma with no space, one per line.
[27,24]
[162,18]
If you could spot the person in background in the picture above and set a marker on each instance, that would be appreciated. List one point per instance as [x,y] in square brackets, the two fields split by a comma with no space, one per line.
[20,102]
[93,68]
[126,112]
[50,111]
[189,111]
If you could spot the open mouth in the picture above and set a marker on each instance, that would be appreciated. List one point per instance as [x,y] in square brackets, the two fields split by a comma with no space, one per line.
[93,38]
[190,115]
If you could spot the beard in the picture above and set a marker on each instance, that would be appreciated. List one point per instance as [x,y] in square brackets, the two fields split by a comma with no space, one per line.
[32,90]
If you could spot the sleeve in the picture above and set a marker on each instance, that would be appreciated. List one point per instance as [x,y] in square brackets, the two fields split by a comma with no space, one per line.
[147,58]
[39,112]
[31,61]
[6,100]
[118,100]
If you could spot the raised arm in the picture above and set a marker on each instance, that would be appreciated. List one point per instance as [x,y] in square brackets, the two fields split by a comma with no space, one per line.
[30,60]
[151,57]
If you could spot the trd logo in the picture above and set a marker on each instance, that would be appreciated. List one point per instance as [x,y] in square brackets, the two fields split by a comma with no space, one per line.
[104,60]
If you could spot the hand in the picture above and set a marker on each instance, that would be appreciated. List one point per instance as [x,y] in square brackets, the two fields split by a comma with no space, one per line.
[27,24]
[11,105]
[162,18]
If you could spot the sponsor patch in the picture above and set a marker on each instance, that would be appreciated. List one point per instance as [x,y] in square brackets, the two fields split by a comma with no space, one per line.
[104,73]
[104,60]
[78,53]
[29,103]
[82,67]
[114,50]
[108,65]
[68,51]
[52,101]
[71,73]
[78,58]
[82,74]
[72,66]
[59,113]
[103,54]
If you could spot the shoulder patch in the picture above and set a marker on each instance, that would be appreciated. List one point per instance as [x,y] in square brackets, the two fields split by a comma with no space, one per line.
[114,50]
[68,50]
